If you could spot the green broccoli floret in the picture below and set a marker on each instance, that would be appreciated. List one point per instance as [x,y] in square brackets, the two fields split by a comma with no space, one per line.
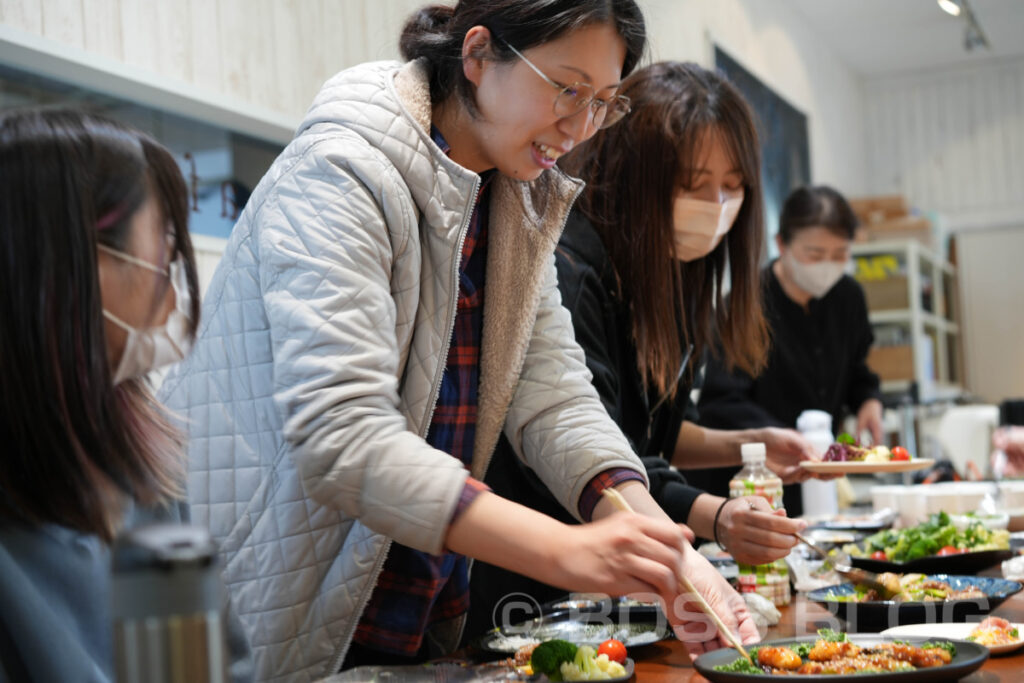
[547,658]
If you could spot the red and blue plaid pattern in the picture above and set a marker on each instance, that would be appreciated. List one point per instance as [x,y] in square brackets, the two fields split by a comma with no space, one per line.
[416,589]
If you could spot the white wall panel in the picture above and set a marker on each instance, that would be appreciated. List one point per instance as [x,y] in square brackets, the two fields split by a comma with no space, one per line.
[102,28]
[275,54]
[140,34]
[27,16]
[952,141]
[63,22]
[992,285]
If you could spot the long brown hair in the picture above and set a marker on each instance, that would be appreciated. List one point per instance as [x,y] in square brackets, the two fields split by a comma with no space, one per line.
[74,445]
[633,172]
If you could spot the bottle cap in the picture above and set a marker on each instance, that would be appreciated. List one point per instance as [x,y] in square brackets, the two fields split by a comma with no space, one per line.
[753,452]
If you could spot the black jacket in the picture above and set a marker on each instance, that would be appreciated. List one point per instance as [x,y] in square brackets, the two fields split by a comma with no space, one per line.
[817,360]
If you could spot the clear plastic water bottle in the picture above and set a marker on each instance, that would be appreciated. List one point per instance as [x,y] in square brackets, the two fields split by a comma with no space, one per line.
[755,479]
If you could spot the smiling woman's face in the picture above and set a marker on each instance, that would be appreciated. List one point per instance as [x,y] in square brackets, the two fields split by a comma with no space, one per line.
[517,130]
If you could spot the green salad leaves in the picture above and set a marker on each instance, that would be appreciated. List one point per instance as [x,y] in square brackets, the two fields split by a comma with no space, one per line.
[925,540]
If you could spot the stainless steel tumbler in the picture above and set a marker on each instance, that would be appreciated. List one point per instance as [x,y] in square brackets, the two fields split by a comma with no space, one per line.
[168,601]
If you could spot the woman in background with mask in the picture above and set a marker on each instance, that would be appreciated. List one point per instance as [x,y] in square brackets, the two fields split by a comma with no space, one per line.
[820,332]
[100,289]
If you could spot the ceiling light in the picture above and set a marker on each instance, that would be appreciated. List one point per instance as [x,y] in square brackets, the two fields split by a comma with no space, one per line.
[950,6]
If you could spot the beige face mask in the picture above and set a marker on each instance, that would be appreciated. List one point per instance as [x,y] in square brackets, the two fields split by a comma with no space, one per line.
[700,225]
[155,347]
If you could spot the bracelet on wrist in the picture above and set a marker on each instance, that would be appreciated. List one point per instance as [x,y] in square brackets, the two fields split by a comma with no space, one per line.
[718,513]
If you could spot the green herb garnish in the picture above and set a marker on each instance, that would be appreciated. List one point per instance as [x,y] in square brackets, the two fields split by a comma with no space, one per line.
[944,644]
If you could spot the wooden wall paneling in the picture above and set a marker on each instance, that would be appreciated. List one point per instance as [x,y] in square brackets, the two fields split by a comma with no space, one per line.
[102,28]
[260,48]
[953,141]
[139,28]
[26,15]
[352,27]
[289,26]
[1015,104]
[982,159]
[236,44]
[62,21]
[173,23]
[204,33]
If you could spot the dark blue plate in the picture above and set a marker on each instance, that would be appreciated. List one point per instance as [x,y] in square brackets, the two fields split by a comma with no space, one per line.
[956,563]
[876,615]
[969,657]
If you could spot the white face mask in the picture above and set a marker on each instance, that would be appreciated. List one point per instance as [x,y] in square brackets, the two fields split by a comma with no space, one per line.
[155,347]
[814,278]
[700,225]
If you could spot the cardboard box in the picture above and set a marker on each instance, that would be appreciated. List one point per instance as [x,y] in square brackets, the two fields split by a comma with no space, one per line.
[905,228]
[892,362]
[888,294]
[879,209]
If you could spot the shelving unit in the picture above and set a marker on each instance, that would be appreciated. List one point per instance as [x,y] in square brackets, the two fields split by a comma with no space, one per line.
[912,304]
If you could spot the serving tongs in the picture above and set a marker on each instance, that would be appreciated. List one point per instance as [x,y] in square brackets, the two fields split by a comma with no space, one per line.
[843,565]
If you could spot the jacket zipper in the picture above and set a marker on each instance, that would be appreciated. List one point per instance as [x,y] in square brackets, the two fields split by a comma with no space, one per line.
[435,390]
[452,310]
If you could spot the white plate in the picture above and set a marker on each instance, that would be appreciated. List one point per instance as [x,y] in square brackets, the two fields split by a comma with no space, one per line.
[954,631]
[856,467]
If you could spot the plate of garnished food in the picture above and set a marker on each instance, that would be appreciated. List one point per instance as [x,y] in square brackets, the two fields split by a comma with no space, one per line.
[936,545]
[920,598]
[872,658]
[562,660]
[846,456]
[998,635]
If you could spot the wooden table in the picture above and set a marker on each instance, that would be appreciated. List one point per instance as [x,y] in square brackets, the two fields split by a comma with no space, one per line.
[669,661]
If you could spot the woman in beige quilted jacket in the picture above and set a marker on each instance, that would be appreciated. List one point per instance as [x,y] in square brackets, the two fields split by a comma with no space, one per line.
[386,309]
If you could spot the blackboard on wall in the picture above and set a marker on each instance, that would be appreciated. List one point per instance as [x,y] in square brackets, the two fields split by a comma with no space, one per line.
[782,128]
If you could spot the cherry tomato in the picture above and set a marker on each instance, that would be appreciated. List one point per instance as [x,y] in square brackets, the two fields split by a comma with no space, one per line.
[879,555]
[615,650]
[948,550]
[900,453]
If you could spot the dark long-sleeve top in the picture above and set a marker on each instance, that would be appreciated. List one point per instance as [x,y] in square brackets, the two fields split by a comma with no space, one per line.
[817,361]
[603,328]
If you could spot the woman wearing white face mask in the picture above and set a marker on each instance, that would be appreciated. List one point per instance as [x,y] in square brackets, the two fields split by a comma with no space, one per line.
[641,265]
[100,289]
[820,331]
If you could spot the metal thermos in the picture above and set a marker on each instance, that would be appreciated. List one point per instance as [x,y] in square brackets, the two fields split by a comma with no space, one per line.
[168,601]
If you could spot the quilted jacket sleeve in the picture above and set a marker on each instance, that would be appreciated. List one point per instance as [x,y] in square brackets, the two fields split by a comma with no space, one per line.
[329,238]
[556,422]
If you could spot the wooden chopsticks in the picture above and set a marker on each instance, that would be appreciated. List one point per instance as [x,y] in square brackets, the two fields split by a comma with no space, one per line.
[622,504]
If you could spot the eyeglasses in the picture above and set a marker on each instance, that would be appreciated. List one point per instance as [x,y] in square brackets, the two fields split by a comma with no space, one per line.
[574,98]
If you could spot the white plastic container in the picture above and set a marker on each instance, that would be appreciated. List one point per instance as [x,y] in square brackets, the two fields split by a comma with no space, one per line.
[820,498]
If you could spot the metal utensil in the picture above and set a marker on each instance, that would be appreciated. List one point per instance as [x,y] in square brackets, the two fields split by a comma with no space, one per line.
[843,566]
